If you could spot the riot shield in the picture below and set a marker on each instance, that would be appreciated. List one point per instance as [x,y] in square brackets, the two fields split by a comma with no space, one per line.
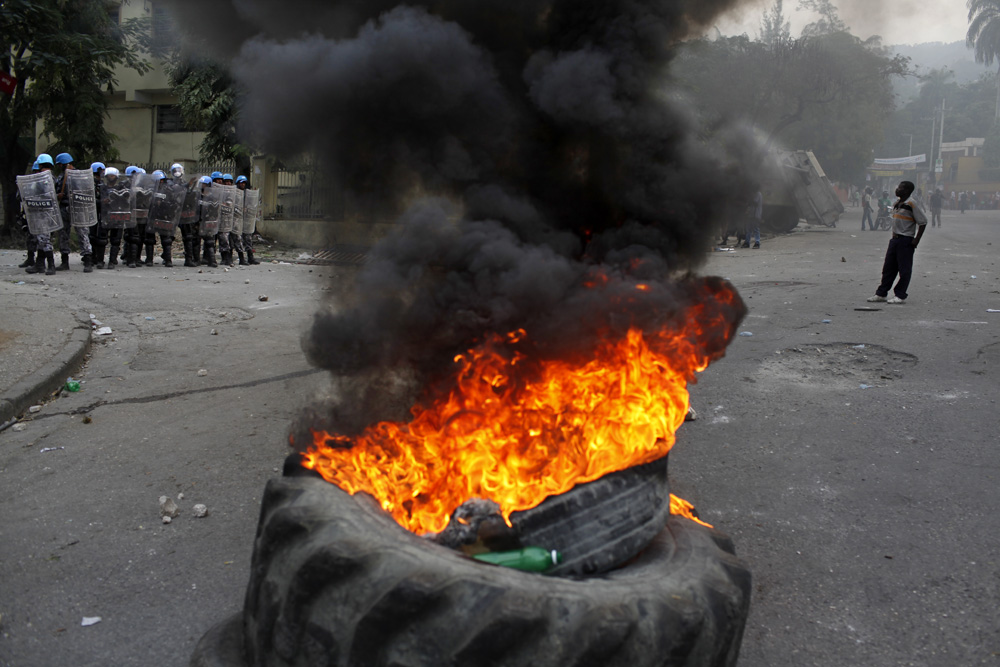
[192,202]
[251,208]
[117,198]
[80,193]
[38,196]
[165,211]
[238,212]
[144,187]
[228,201]
[211,210]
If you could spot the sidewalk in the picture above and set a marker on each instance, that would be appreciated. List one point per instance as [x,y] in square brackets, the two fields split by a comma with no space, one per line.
[43,340]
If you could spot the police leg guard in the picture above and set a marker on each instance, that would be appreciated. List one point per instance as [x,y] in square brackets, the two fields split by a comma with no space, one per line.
[243,261]
[38,266]
[188,252]
[210,256]
[196,251]
[64,266]
[168,260]
[251,258]
[88,264]
[149,254]
[50,263]
[113,257]
[131,250]
[99,249]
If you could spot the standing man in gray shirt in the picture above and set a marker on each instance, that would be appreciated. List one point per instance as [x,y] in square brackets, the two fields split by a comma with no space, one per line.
[908,224]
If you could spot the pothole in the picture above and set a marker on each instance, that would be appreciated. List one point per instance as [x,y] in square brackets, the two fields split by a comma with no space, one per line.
[835,366]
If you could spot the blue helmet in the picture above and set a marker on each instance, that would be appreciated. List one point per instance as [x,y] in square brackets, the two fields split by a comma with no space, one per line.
[227,177]
[131,169]
[44,158]
[96,166]
[35,166]
[64,158]
[158,175]
[207,180]
[140,170]
[241,179]
[216,174]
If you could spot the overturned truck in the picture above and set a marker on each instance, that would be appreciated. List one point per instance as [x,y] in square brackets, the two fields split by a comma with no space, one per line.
[795,187]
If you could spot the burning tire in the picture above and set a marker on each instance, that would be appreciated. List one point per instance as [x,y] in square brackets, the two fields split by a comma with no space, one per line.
[335,581]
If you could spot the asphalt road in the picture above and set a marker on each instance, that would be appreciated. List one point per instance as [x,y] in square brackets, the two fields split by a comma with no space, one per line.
[859,483]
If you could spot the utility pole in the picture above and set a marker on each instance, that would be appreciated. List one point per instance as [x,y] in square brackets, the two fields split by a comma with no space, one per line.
[941,144]
[933,136]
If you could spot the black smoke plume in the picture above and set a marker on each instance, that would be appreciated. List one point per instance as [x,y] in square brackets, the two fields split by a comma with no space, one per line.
[524,146]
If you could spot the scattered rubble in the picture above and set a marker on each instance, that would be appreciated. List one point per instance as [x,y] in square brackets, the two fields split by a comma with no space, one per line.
[35,408]
[90,620]
[168,508]
[202,372]
[262,297]
[199,511]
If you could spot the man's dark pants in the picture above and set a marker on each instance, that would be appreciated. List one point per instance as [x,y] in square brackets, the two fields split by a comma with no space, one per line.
[898,261]
[867,215]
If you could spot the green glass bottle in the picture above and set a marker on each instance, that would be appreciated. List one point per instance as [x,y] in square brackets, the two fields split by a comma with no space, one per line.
[529,559]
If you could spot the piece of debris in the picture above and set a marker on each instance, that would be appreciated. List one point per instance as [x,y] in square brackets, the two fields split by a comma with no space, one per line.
[691,415]
[72,385]
[859,347]
[202,371]
[992,310]
[214,332]
[87,419]
[90,620]
[262,297]
[102,331]
[827,321]
[167,519]
[168,508]
[843,259]
[199,511]
[49,449]
[180,496]
[746,334]
[18,427]
[35,408]
[150,318]
[246,282]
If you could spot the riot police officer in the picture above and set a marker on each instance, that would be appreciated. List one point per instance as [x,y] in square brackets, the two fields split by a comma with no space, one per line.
[82,233]
[44,260]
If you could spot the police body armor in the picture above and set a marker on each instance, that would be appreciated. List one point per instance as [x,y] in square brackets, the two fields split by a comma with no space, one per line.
[192,202]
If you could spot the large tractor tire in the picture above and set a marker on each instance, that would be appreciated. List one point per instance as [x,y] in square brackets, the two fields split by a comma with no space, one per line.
[336,582]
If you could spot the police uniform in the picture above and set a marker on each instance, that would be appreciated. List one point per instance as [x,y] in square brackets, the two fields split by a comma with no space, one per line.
[82,233]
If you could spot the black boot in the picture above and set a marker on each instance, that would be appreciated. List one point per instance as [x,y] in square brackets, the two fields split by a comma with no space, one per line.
[113,257]
[251,258]
[188,253]
[65,262]
[210,257]
[39,265]
[131,250]
[98,257]
[50,263]
[243,262]
[88,264]
[149,254]
[28,262]
[196,251]
[227,257]
[165,256]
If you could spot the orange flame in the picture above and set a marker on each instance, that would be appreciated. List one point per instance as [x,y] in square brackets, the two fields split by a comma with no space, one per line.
[517,431]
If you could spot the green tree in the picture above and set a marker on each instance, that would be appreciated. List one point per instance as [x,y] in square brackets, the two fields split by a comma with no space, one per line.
[63,54]
[984,36]
[209,101]
[773,26]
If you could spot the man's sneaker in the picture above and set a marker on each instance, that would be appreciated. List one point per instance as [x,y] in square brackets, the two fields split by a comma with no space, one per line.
[756,245]
[876,298]
[895,299]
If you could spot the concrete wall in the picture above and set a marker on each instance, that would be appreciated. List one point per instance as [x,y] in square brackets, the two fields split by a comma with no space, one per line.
[319,234]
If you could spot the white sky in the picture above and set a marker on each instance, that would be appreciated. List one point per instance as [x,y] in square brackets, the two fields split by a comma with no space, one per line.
[898,22]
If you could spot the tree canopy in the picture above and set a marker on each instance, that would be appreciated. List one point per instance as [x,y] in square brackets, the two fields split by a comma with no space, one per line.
[63,54]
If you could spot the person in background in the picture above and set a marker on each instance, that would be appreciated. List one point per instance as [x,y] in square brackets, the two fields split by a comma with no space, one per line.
[937,201]
[30,241]
[866,206]
[908,225]
[82,233]
[241,183]
[44,260]
[755,210]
